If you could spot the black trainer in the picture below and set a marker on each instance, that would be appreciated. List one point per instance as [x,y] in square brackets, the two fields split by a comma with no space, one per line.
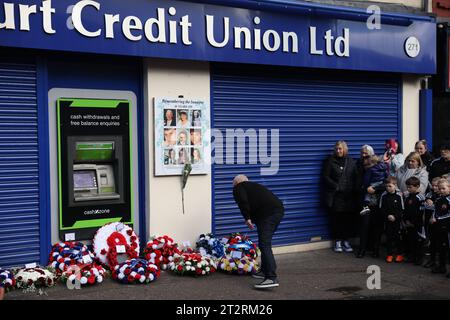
[267,283]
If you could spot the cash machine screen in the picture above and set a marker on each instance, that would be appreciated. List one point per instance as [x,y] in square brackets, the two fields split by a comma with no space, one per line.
[84,179]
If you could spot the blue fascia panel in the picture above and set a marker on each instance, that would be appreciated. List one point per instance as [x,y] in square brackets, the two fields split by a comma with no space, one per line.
[320,10]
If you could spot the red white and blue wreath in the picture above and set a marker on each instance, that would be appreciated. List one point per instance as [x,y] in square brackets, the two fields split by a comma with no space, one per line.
[207,244]
[86,275]
[136,271]
[115,243]
[241,243]
[7,279]
[66,254]
[162,250]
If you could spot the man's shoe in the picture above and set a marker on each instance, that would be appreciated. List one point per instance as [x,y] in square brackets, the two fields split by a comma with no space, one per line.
[389,259]
[267,283]
[364,211]
[258,275]
[399,258]
[361,254]
[338,247]
[347,247]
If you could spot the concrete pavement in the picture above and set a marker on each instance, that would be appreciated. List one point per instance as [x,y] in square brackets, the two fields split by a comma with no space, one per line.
[320,274]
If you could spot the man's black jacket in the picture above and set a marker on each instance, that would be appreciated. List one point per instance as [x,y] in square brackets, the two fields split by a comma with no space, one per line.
[438,168]
[256,201]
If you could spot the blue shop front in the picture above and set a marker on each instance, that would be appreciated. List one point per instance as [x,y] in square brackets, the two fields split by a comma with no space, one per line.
[86,86]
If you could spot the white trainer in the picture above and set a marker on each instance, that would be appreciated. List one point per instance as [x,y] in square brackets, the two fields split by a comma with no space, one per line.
[364,211]
[338,247]
[347,247]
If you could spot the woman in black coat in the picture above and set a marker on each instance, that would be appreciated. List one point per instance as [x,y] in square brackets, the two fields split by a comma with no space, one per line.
[340,178]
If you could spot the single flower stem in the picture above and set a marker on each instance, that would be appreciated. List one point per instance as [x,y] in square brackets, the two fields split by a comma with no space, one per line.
[182,198]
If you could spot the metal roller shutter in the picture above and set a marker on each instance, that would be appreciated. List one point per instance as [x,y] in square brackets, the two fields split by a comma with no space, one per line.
[19,183]
[312,111]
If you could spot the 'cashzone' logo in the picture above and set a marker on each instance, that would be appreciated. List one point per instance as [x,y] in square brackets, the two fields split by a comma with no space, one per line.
[96,211]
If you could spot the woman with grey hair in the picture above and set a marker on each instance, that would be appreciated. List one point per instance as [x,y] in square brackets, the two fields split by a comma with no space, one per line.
[367,151]
[370,222]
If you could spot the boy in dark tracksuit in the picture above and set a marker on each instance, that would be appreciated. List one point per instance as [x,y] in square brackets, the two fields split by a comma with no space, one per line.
[430,200]
[441,220]
[391,207]
[413,221]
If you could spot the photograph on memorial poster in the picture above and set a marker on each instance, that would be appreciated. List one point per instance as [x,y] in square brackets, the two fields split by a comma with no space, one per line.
[169,157]
[196,137]
[183,119]
[182,135]
[183,156]
[196,118]
[196,156]
[170,137]
[169,118]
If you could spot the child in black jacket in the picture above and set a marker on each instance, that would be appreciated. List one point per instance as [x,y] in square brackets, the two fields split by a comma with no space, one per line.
[374,175]
[413,221]
[441,218]
[430,200]
[391,207]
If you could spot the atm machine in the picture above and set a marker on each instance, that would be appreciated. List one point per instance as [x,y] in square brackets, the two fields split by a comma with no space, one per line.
[94,171]
[93,165]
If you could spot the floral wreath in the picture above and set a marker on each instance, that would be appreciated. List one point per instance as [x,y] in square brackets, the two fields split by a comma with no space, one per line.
[110,238]
[209,245]
[136,271]
[153,256]
[7,279]
[34,277]
[164,249]
[238,242]
[244,265]
[89,274]
[66,254]
[192,264]
[187,249]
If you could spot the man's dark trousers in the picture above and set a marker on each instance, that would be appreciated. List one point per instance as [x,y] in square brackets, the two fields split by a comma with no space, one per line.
[266,228]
